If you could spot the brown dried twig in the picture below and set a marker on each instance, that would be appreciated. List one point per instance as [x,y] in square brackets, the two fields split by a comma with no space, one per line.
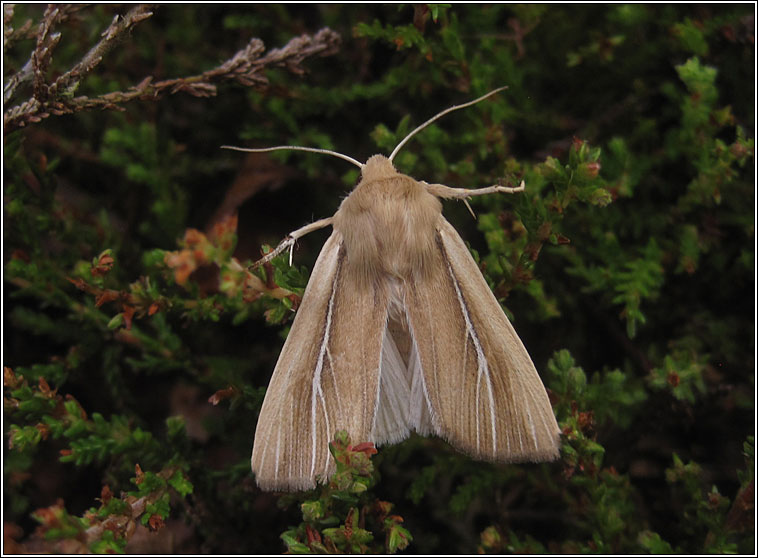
[11,35]
[116,30]
[46,42]
[245,67]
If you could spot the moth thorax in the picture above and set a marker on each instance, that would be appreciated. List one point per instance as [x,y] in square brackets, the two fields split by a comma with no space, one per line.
[388,224]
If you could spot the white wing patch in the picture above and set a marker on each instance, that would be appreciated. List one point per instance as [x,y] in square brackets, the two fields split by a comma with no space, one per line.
[402,398]
[394,386]
[391,417]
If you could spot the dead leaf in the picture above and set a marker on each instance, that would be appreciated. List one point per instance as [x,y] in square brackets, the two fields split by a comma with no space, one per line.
[222,394]
[140,475]
[128,312]
[155,522]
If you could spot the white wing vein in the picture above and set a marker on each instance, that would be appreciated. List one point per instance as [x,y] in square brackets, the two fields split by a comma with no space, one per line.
[482,365]
[316,385]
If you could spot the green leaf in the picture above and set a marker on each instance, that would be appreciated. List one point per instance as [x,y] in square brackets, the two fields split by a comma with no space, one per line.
[181,484]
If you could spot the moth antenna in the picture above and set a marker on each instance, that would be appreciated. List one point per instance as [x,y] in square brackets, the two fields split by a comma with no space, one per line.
[295,148]
[440,115]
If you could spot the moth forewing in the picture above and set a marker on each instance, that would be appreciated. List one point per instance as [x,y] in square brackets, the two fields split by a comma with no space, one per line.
[325,380]
[286,450]
[398,331]
[511,412]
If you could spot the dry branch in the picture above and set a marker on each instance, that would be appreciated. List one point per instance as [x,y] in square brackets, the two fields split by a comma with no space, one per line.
[246,67]
[11,35]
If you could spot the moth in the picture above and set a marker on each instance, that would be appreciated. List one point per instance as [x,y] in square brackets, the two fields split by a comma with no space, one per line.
[397,332]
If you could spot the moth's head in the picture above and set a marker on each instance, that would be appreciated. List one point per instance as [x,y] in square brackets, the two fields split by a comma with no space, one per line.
[378,167]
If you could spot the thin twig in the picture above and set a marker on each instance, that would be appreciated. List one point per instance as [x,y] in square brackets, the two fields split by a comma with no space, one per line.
[46,41]
[118,27]
[11,35]
[245,67]
[17,79]
[43,51]
[8,10]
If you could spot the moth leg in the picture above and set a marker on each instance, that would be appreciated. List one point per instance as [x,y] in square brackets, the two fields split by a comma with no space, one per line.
[468,206]
[442,191]
[290,239]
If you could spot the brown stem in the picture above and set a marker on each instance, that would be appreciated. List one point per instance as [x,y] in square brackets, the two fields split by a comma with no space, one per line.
[246,67]
[118,27]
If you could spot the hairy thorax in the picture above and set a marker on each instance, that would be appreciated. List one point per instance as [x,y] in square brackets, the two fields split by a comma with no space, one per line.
[388,223]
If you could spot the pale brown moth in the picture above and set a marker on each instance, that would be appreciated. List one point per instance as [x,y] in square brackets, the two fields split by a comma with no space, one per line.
[398,332]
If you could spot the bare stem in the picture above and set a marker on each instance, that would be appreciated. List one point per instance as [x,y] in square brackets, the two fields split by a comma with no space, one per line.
[245,67]
[118,27]
[11,35]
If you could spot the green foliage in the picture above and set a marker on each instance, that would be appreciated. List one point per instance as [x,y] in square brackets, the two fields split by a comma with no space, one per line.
[135,332]
[609,396]
[681,374]
[105,529]
[135,151]
[87,440]
[709,518]
[341,515]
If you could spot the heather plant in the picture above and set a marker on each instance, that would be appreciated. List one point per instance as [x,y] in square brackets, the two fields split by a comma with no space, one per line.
[138,343]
